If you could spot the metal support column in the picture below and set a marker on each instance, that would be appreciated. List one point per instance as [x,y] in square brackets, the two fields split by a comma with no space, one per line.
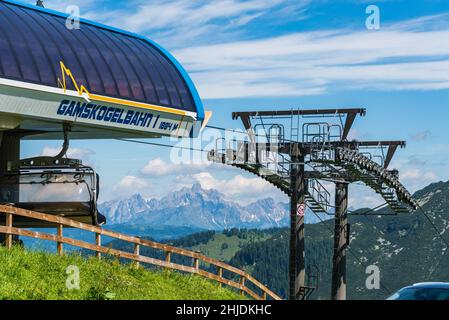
[9,150]
[341,237]
[297,264]
[9,153]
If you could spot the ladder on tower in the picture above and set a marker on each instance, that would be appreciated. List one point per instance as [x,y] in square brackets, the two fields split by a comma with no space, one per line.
[317,196]
[294,127]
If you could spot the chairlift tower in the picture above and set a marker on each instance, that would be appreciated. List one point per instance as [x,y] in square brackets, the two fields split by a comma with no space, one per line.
[300,151]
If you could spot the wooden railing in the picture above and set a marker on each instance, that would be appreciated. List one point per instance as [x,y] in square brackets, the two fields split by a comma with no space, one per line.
[241,284]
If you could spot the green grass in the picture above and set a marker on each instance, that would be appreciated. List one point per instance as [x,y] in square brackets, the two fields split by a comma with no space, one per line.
[34,275]
[213,248]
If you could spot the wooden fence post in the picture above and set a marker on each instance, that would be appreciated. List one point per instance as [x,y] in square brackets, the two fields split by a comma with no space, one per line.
[137,252]
[168,256]
[9,235]
[242,283]
[220,274]
[60,245]
[196,263]
[264,295]
[98,243]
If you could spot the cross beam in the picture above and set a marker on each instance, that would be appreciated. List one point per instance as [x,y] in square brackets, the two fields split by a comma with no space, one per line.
[307,112]
[349,113]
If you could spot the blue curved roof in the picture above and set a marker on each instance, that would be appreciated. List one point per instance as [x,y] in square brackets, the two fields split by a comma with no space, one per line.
[105,60]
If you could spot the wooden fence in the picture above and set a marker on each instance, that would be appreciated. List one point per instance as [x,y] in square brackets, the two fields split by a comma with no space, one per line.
[261,292]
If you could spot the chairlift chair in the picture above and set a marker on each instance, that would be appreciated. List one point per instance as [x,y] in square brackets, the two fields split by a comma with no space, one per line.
[52,185]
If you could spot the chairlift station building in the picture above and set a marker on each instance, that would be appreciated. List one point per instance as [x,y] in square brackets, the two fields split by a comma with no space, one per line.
[105,82]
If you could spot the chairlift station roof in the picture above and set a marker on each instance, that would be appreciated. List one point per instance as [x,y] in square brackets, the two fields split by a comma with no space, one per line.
[106,82]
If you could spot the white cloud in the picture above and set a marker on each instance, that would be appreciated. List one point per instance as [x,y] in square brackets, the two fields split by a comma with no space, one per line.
[86,155]
[77,153]
[132,181]
[307,63]
[355,134]
[422,135]
[148,15]
[417,178]
[239,188]
[158,167]
[430,22]
[179,22]
[130,185]
[415,172]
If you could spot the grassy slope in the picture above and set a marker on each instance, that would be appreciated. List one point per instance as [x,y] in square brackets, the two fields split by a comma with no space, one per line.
[214,248]
[38,275]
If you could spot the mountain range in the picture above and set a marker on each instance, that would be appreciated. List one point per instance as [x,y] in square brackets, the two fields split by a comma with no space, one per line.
[198,208]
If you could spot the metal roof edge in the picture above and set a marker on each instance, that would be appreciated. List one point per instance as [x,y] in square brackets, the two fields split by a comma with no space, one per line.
[193,91]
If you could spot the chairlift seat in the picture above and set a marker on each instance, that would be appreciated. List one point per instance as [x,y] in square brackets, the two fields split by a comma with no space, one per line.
[67,189]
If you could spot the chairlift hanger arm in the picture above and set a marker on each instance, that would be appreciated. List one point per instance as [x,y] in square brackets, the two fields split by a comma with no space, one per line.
[348,125]
[246,121]
[66,127]
[391,151]
[309,112]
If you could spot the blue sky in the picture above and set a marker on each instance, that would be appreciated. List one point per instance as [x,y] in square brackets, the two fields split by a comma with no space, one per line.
[286,54]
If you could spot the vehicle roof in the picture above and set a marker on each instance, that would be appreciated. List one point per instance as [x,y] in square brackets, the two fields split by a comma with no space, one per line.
[434,285]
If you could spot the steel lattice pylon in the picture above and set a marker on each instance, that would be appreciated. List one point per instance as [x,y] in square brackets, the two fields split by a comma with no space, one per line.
[315,151]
